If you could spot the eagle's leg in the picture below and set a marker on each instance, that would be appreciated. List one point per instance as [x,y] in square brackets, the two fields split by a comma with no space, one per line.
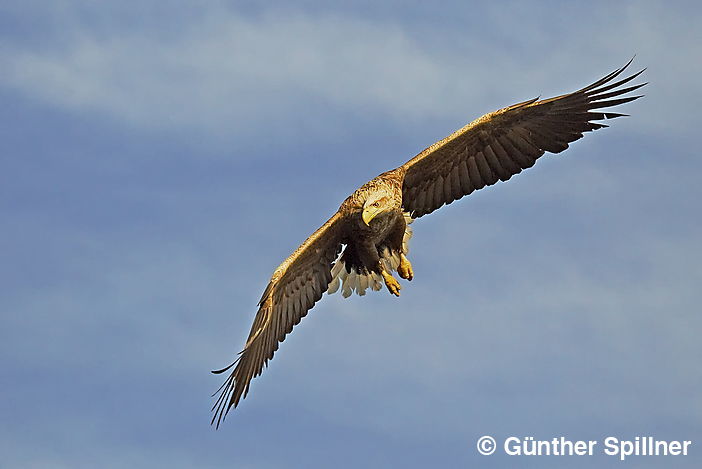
[390,282]
[394,240]
[370,258]
[405,268]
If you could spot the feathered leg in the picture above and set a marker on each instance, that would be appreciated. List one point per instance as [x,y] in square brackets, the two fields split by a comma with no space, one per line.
[369,257]
[395,241]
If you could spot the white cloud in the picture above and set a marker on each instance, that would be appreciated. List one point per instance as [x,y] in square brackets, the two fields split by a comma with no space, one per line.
[233,74]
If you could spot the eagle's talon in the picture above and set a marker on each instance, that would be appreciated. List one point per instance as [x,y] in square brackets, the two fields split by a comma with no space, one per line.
[392,284]
[405,268]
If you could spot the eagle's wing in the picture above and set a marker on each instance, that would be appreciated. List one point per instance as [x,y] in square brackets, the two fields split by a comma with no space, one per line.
[501,144]
[296,285]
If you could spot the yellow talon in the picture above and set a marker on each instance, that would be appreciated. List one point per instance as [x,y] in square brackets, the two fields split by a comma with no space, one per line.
[405,268]
[392,284]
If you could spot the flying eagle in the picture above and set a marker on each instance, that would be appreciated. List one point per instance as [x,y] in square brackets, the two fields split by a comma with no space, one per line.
[365,241]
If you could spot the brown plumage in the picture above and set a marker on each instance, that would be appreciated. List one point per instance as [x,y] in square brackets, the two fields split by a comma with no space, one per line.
[372,223]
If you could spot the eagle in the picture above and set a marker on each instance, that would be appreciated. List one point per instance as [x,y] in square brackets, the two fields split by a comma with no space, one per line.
[366,240]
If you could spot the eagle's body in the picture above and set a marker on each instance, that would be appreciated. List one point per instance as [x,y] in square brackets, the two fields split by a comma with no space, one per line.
[366,239]
[380,238]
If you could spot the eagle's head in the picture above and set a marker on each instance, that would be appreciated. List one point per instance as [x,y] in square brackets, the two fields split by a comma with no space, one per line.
[378,202]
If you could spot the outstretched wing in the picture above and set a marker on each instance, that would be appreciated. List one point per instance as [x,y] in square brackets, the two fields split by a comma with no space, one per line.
[501,144]
[296,285]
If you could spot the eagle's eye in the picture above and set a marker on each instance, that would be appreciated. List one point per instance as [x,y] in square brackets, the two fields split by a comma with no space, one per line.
[376,203]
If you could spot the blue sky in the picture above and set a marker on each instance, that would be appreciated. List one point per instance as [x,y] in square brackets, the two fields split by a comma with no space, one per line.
[159,161]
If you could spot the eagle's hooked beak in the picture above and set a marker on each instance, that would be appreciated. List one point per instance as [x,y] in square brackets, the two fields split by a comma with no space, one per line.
[369,213]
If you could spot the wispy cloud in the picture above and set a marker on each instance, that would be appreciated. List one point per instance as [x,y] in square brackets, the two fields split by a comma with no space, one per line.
[232,73]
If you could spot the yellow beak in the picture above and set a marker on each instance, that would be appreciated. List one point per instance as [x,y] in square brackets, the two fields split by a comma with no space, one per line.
[368,214]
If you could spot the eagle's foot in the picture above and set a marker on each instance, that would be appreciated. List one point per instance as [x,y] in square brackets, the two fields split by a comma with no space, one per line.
[405,268]
[392,284]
